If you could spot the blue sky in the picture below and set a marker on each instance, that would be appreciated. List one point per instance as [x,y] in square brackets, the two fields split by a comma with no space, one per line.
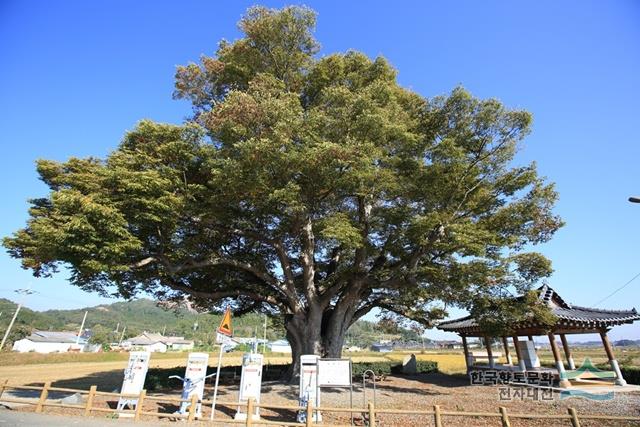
[75,75]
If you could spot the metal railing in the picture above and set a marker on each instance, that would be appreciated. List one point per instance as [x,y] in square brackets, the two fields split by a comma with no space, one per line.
[371,412]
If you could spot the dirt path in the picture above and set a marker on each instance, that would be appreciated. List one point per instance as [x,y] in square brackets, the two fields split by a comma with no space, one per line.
[58,372]
[106,375]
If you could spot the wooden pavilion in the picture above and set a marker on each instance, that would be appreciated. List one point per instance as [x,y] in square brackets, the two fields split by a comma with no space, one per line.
[570,319]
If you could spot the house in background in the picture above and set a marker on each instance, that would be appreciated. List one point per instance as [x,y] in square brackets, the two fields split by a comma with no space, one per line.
[382,347]
[157,343]
[280,346]
[450,344]
[53,342]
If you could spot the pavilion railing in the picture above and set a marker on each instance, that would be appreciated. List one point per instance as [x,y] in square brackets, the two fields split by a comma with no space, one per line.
[370,414]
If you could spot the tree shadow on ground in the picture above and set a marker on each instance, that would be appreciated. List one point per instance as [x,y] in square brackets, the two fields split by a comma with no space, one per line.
[104,380]
[439,379]
[279,415]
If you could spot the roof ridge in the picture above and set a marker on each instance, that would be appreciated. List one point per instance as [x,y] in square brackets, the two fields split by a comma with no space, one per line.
[547,294]
[603,310]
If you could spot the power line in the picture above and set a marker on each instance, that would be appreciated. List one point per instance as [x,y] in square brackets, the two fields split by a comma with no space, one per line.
[617,290]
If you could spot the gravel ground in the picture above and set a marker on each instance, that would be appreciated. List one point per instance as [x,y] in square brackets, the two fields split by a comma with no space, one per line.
[419,392]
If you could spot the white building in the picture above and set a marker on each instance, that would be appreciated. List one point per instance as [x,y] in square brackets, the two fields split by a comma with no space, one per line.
[280,346]
[51,342]
[157,343]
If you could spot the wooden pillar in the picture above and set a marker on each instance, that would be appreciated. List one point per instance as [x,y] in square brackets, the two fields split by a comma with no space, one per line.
[90,397]
[43,397]
[372,414]
[139,405]
[530,338]
[487,344]
[519,354]
[567,352]
[437,417]
[505,417]
[507,355]
[467,358]
[612,359]
[564,383]
[249,420]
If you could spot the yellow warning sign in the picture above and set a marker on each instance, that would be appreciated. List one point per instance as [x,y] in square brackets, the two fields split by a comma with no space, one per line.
[225,326]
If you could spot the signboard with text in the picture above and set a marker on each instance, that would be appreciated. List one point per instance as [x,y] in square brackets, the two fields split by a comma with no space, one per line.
[134,376]
[194,377]
[334,372]
[309,391]
[250,383]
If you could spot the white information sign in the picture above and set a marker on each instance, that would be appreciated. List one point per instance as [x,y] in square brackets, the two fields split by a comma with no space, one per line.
[194,377]
[334,372]
[222,338]
[250,383]
[134,376]
[309,385]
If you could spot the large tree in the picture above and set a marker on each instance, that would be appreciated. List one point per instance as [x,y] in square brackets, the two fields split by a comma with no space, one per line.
[311,188]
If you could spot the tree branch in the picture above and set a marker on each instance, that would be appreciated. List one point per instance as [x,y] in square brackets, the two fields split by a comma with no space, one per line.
[175,285]
[307,260]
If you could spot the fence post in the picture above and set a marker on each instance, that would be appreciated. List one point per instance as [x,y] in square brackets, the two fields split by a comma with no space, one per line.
[575,422]
[250,410]
[309,413]
[3,386]
[505,417]
[192,407]
[43,396]
[141,397]
[436,415]
[92,394]
[372,415]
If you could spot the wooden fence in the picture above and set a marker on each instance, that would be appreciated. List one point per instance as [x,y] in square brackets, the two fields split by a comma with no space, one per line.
[370,413]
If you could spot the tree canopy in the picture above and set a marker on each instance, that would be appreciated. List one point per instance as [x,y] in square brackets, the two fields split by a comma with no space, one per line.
[310,187]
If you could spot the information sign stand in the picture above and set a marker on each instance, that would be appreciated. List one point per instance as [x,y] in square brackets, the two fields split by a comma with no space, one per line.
[309,386]
[193,381]
[250,384]
[134,376]
[335,373]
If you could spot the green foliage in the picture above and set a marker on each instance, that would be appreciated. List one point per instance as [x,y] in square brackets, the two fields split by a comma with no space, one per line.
[631,374]
[497,313]
[390,367]
[138,316]
[312,187]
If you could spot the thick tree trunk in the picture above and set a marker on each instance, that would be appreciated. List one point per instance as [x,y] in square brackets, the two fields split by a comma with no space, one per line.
[304,333]
[314,334]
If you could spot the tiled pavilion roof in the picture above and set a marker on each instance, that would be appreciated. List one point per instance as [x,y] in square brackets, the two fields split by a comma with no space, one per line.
[569,317]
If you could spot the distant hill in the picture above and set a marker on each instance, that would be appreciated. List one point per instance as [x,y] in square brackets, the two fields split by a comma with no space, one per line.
[137,316]
[145,315]
[27,316]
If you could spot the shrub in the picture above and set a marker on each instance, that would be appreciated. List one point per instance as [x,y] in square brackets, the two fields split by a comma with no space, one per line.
[380,368]
[158,378]
[631,374]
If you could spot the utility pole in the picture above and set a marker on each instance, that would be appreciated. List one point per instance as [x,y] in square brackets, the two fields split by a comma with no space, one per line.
[24,292]
[81,328]
[6,334]
[264,338]
[122,336]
